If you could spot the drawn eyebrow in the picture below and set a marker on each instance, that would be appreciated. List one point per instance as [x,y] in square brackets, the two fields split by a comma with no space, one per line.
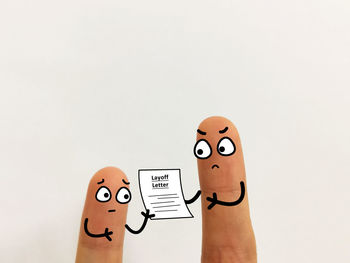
[224,130]
[125,182]
[201,132]
[101,181]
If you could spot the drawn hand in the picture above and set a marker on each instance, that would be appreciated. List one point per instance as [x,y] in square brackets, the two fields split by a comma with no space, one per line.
[108,233]
[213,201]
[147,214]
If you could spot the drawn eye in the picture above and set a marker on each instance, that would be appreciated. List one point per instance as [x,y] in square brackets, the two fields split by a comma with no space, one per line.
[123,195]
[226,146]
[103,194]
[202,149]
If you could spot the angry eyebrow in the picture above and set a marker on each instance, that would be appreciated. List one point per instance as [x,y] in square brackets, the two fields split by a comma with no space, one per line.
[101,181]
[201,132]
[224,130]
[125,182]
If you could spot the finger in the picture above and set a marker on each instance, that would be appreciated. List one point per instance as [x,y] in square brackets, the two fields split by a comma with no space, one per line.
[102,228]
[227,231]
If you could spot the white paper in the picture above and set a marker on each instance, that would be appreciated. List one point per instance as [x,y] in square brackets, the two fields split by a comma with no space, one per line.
[161,192]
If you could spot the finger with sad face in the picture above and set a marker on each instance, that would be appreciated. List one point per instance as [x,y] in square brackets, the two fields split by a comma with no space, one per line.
[227,230]
[103,225]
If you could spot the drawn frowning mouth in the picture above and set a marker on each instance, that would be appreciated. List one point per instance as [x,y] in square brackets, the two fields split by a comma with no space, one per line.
[215,165]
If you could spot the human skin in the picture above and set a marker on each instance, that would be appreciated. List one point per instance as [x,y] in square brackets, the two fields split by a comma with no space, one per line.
[106,218]
[227,233]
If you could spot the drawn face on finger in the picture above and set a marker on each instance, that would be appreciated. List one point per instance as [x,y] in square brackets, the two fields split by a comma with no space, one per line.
[106,205]
[219,154]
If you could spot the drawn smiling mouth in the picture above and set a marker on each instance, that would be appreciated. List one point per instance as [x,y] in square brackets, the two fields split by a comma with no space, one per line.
[215,165]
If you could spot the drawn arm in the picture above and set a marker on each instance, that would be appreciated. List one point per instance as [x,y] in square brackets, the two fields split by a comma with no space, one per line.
[214,201]
[146,215]
[106,234]
[193,199]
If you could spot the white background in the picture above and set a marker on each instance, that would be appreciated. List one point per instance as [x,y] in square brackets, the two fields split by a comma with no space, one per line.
[86,84]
